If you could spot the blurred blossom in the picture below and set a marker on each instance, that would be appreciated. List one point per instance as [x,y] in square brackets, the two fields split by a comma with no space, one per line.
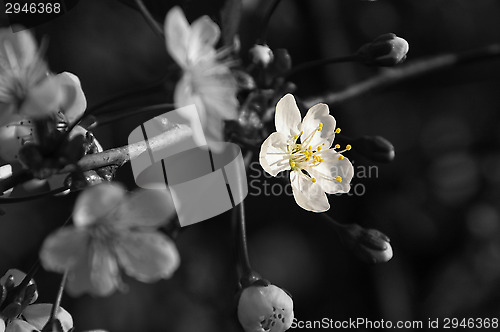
[20,129]
[112,229]
[206,81]
[443,133]
[316,168]
[21,317]
[375,148]
[386,50]
[27,90]
[265,309]
[261,54]
[483,220]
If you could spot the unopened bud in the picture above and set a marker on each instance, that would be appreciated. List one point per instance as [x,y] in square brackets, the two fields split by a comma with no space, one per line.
[375,148]
[370,245]
[261,55]
[386,50]
[282,62]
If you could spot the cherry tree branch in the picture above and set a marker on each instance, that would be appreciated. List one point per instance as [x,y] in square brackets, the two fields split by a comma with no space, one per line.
[117,156]
[406,72]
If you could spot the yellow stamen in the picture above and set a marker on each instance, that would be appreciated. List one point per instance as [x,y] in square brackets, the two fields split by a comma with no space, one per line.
[338,178]
[337,146]
[348,147]
[341,157]
[295,137]
[313,180]
[292,164]
[318,148]
[337,130]
[302,132]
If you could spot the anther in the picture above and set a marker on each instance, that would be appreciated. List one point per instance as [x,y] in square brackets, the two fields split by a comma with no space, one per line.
[338,178]
[337,130]
[337,146]
[292,164]
[341,157]
[348,147]
[313,180]
[318,148]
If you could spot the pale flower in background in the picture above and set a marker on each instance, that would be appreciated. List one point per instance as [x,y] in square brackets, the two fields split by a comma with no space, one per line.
[112,230]
[265,309]
[27,90]
[316,168]
[206,81]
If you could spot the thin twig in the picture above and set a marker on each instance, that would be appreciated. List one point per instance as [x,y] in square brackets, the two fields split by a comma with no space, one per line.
[317,63]
[267,19]
[150,19]
[411,70]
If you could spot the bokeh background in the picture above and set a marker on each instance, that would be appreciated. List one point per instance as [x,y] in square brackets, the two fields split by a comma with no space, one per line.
[438,200]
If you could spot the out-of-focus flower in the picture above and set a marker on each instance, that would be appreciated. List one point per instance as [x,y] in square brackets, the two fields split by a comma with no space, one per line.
[112,229]
[265,309]
[27,90]
[206,81]
[21,317]
[370,245]
[262,55]
[21,130]
[385,50]
[316,168]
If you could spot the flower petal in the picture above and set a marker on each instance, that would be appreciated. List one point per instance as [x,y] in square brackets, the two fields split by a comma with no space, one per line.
[64,248]
[2,325]
[177,33]
[5,172]
[204,35]
[308,195]
[18,325]
[145,208]
[38,315]
[287,117]
[19,47]
[96,202]
[104,274]
[273,156]
[43,99]
[327,171]
[147,256]
[316,114]
[13,136]
[73,102]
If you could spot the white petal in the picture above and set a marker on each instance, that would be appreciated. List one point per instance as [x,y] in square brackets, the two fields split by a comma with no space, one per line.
[43,99]
[177,32]
[21,43]
[147,256]
[18,325]
[63,249]
[13,135]
[203,37]
[2,325]
[5,172]
[104,275]
[74,102]
[327,171]
[316,114]
[273,156]
[184,96]
[145,208]
[308,195]
[38,315]
[287,117]
[96,202]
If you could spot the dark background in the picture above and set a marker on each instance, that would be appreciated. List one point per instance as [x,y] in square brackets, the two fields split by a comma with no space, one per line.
[438,200]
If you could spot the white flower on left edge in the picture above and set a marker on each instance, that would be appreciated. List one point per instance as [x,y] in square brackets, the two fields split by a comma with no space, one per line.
[206,81]
[304,148]
[113,230]
[27,90]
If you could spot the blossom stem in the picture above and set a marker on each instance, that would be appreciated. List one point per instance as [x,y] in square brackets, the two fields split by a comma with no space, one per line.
[55,307]
[126,114]
[267,19]
[117,156]
[149,18]
[321,62]
[406,72]
[9,200]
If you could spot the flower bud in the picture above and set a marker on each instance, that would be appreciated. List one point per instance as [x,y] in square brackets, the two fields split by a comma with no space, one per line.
[370,245]
[261,55]
[386,50]
[265,308]
[375,148]
[282,62]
